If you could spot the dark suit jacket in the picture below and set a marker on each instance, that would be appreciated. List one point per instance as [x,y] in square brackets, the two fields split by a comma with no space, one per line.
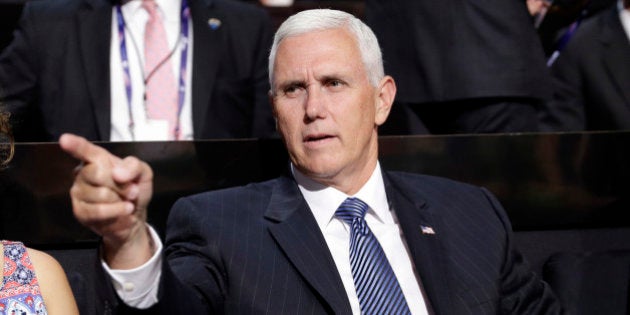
[258,250]
[459,49]
[592,78]
[591,282]
[55,75]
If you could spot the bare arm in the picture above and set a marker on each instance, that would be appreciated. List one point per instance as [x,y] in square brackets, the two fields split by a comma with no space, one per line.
[53,284]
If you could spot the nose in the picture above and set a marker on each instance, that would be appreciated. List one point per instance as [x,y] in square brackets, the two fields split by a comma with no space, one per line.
[315,105]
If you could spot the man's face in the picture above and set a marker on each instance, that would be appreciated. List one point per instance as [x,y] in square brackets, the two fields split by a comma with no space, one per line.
[326,109]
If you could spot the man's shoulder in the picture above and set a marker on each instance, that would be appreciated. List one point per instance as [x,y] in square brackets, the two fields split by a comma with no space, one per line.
[239,19]
[64,7]
[416,180]
[238,9]
[590,30]
[261,189]
[434,188]
[52,19]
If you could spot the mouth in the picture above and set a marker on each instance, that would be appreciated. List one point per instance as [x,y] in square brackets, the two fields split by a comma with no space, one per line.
[316,138]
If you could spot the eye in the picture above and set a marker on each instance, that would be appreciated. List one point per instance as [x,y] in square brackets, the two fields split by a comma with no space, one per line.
[335,83]
[293,90]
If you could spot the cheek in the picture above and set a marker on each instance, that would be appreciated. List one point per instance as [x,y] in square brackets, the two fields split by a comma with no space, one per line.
[287,109]
[288,129]
[367,115]
[283,129]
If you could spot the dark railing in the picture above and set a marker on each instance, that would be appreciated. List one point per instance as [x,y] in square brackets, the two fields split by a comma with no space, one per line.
[545,181]
[563,192]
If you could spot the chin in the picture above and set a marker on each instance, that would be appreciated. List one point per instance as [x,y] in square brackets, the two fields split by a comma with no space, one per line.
[320,169]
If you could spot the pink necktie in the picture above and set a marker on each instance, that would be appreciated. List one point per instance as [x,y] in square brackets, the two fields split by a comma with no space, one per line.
[161,89]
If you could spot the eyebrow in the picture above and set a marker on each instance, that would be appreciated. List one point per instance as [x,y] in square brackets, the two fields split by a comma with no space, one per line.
[332,76]
[303,83]
[284,85]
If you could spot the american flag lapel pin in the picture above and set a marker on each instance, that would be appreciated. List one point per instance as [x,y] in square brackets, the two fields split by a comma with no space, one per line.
[214,23]
[427,230]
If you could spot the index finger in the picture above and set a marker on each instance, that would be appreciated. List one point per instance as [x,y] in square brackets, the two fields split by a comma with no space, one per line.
[82,149]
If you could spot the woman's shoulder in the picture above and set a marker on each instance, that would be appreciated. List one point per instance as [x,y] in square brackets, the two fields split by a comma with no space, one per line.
[51,278]
[53,283]
[38,258]
[45,263]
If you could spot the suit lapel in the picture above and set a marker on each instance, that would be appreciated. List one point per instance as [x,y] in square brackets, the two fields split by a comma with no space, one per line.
[297,234]
[207,45]
[425,248]
[617,53]
[94,27]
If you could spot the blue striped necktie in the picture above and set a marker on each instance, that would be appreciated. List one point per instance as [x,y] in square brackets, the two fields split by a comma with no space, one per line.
[374,280]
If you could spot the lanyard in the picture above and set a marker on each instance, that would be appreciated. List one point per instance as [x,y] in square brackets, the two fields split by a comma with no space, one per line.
[185,18]
[564,40]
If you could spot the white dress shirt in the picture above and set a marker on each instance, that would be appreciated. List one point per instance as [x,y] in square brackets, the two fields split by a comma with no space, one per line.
[624,16]
[383,223]
[135,20]
[139,287]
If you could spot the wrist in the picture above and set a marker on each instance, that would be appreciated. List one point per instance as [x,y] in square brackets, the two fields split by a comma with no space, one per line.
[132,253]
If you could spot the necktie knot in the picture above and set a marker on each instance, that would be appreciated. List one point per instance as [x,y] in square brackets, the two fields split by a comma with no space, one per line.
[352,208]
[150,6]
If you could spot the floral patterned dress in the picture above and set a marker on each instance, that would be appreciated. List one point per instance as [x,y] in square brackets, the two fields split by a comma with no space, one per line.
[19,294]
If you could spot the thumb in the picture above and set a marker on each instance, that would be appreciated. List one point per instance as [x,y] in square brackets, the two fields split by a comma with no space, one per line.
[135,175]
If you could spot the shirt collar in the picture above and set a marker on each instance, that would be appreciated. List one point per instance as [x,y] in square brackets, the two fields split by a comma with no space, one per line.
[324,200]
[170,9]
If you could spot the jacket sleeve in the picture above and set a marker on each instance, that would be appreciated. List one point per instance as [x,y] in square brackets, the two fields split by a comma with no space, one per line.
[522,290]
[191,280]
[19,76]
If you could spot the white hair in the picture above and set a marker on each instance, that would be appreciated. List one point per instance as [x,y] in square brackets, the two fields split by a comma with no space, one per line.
[325,19]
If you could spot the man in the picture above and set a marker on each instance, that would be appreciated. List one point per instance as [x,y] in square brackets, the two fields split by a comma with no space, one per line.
[103,68]
[290,245]
[461,66]
[592,75]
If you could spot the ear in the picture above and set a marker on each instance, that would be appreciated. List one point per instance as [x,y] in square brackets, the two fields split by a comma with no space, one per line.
[386,93]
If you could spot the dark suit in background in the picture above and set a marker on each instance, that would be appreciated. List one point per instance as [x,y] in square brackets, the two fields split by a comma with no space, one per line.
[460,65]
[258,250]
[55,75]
[592,78]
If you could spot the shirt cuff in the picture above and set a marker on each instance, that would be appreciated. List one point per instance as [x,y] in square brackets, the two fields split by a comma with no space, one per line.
[139,287]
